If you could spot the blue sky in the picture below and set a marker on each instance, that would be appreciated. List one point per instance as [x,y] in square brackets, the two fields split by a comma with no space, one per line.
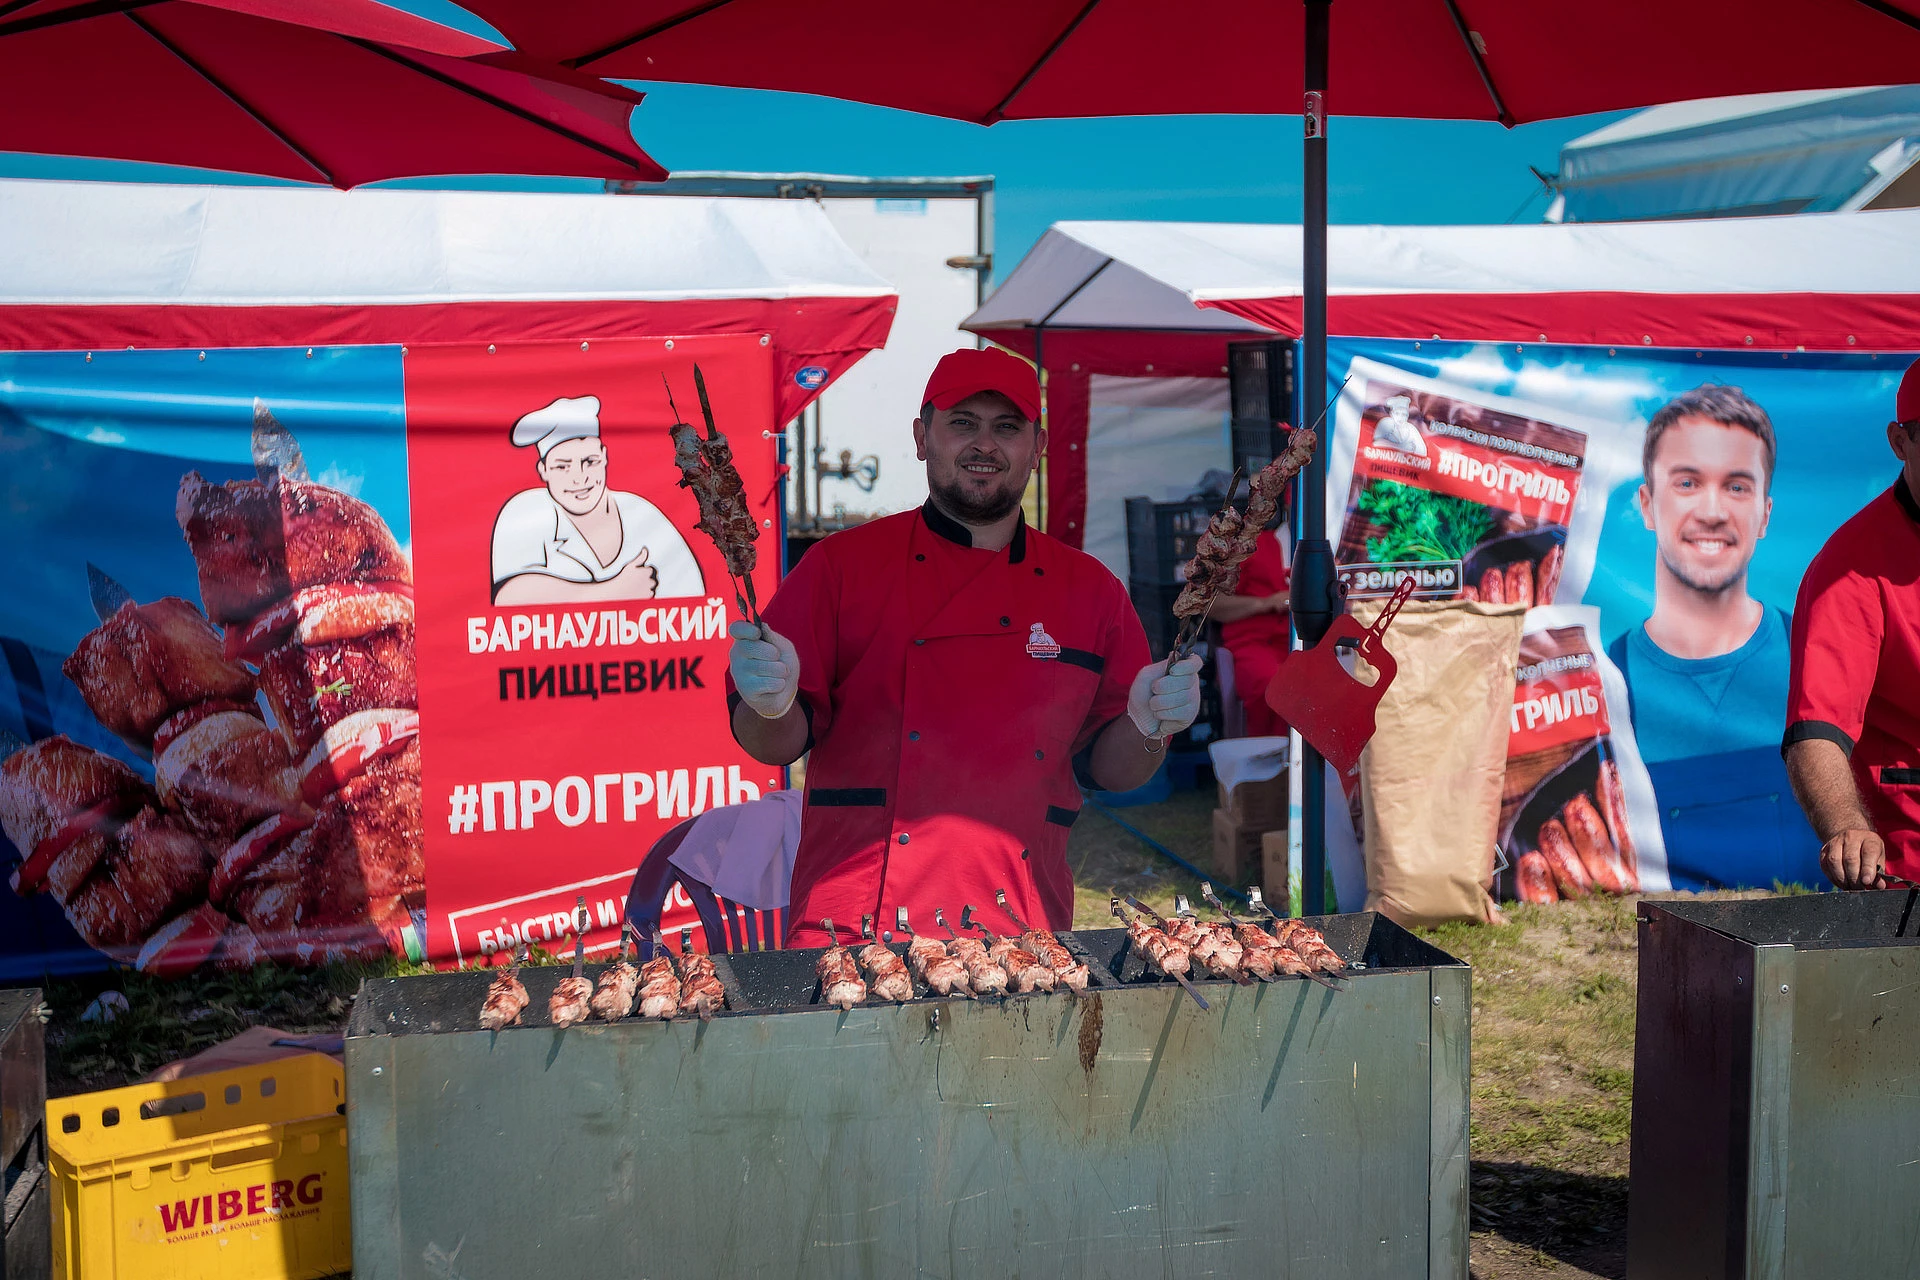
[1200,168]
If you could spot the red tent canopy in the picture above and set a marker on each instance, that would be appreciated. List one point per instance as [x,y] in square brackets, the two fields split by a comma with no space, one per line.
[1143,299]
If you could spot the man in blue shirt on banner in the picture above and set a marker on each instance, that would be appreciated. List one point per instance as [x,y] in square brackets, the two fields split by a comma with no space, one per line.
[1707,673]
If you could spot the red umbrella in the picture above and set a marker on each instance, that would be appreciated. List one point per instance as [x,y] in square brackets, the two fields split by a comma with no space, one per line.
[991,60]
[334,91]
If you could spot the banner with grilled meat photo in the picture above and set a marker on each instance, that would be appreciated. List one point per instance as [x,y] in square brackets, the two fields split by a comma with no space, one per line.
[1577,811]
[572,621]
[208,624]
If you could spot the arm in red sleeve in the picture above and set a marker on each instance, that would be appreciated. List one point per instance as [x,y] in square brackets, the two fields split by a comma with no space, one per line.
[1838,624]
[1124,646]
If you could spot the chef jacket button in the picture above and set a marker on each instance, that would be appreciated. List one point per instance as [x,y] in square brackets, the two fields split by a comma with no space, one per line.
[920,556]
[903,837]
[1038,572]
[919,641]
[1006,622]
[1039,754]
[913,735]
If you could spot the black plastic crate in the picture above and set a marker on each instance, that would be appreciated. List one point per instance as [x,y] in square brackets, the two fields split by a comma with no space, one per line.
[1255,444]
[1161,537]
[1153,601]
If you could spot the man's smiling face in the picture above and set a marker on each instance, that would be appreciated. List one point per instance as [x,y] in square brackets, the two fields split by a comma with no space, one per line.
[1706,502]
[575,473]
[978,454]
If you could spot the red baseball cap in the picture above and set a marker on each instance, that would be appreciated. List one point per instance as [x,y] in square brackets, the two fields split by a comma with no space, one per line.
[968,372]
[1906,405]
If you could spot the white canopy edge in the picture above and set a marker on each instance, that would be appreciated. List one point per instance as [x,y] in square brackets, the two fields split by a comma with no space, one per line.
[1150,275]
[100,244]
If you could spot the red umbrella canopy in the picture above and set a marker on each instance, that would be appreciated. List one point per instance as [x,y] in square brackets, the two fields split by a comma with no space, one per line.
[988,60]
[330,91]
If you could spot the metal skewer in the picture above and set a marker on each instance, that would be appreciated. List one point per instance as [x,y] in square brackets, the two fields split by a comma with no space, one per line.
[580,922]
[1180,978]
[1913,893]
[1183,909]
[1328,981]
[1259,904]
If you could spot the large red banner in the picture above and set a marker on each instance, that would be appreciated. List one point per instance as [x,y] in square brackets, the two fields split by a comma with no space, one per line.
[572,623]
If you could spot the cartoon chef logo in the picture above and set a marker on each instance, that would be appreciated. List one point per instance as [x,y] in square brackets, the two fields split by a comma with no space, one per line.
[575,539]
[1040,644]
[1398,430]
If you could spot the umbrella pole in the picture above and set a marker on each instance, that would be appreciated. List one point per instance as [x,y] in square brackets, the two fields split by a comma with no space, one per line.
[1315,595]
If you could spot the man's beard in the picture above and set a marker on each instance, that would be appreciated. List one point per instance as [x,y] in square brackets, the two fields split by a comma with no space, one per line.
[967,509]
[1732,577]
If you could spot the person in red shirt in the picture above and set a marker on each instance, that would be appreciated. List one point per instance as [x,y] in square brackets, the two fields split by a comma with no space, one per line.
[1253,625]
[1853,697]
[954,678]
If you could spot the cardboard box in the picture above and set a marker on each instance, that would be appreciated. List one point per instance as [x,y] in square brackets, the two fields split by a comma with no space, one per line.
[1260,806]
[1273,869]
[1236,849]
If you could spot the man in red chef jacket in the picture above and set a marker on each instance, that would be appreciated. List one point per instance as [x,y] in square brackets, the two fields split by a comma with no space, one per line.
[956,677]
[1853,698]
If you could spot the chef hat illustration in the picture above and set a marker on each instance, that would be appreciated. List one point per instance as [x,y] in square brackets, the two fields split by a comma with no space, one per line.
[568,418]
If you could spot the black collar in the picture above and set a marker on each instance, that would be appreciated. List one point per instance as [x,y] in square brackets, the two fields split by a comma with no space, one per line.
[1907,500]
[953,531]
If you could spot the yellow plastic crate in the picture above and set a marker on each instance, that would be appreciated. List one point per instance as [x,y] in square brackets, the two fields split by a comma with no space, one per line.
[237,1175]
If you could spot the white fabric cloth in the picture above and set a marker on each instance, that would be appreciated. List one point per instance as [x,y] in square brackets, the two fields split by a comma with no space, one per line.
[532,534]
[744,852]
[1238,760]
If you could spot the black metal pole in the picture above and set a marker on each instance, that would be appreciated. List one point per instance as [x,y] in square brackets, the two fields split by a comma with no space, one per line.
[1315,599]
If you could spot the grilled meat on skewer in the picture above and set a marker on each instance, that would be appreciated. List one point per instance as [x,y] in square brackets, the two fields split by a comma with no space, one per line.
[707,467]
[942,974]
[1161,952]
[1042,943]
[1264,955]
[1025,971]
[614,995]
[1310,945]
[148,661]
[701,992]
[619,984]
[570,1001]
[505,998]
[985,976]
[886,973]
[256,544]
[659,987]
[928,958]
[1231,536]
[840,981]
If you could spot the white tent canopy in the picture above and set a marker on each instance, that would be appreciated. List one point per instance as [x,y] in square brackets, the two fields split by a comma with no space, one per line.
[91,243]
[1242,277]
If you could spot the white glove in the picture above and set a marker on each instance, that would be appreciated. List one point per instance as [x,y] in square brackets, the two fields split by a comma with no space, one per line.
[1163,702]
[765,668]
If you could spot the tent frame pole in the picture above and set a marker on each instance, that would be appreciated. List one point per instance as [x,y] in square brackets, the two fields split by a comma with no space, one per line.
[1315,591]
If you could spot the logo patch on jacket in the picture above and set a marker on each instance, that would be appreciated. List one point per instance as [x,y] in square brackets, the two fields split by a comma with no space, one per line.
[1041,645]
